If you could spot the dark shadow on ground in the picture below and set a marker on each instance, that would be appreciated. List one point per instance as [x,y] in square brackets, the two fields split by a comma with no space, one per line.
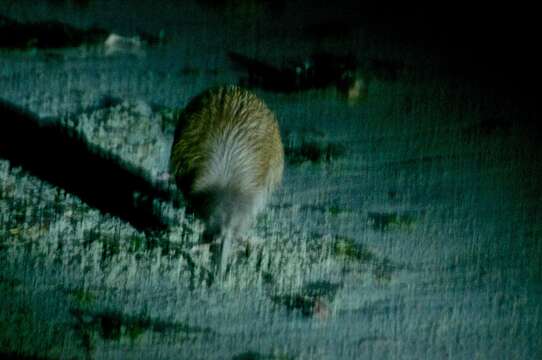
[56,35]
[317,71]
[57,155]
[46,35]
[17,356]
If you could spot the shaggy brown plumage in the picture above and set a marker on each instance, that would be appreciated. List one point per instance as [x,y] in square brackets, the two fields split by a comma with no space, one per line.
[227,157]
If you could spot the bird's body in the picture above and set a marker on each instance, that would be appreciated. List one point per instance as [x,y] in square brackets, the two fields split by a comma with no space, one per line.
[227,158]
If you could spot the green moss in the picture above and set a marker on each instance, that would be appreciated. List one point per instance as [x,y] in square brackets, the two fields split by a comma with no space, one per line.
[111,248]
[82,297]
[135,330]
[347,249]
[335,210]
[136,243]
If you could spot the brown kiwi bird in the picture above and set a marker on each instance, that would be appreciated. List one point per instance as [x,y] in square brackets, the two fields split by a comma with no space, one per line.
[227,158]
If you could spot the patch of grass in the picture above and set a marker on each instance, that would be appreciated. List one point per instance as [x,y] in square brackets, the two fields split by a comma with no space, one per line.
[335,210]
[321,288]
[347,249]
[135,330]
[313,295]
[111,247]
[137,243]
[114,326]
[389,221]
[82,297]
[298,302]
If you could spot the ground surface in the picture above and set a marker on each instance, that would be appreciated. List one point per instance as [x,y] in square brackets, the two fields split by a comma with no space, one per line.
[408,225]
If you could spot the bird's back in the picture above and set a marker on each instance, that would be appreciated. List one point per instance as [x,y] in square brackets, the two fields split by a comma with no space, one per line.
[227,156]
